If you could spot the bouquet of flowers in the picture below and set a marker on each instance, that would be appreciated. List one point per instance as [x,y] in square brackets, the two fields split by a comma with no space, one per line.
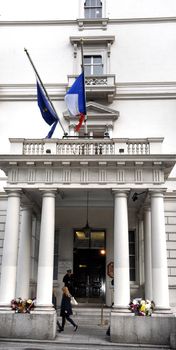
[142,307]
[22,306]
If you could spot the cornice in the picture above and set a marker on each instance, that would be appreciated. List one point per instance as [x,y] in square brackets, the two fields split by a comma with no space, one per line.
[101,170]
[145,90]
[141,20]
[58,22]
[28,92]
[124,91]
[155,159]
[38,22]
[95,39]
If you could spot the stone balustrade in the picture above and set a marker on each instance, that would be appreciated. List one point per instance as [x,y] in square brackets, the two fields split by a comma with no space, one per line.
[86,146]
[101,86]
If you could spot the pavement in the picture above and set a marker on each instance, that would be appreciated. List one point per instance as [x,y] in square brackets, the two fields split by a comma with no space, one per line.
[86,337]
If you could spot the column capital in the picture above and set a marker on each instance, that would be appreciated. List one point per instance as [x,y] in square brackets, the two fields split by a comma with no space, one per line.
[26,207]
[13,192]
[48,192]
[120,192]
[157,192]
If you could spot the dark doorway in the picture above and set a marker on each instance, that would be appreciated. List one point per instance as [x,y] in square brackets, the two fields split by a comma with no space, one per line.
[89,266]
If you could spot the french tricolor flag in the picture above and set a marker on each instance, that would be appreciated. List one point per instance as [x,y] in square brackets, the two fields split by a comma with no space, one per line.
[76,101]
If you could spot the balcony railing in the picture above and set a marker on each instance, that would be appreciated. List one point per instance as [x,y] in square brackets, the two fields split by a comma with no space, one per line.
[85,146]
[102,85]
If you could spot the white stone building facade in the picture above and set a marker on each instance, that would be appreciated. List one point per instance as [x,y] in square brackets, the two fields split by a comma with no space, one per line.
[120,178]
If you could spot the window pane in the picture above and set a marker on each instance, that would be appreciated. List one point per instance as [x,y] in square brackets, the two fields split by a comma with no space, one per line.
[132,261]
[93,65]
[97,70]
[56,256]
[87,59]
[97,239]
[132,255]
[97,59]
[86,15]
[88,3]
[93,9]
[98,13]
[87,70]
[131,236]
[93,3]
[132,249]
[132,275]
[81,241]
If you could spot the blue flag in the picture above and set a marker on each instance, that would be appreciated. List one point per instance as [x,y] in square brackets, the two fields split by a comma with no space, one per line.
[46,110]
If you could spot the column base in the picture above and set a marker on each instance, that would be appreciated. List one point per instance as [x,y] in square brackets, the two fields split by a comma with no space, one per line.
[120,309]
[44,309]
[162,311]
[6,308]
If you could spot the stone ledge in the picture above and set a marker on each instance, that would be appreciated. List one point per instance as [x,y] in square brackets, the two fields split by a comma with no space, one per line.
[28,326]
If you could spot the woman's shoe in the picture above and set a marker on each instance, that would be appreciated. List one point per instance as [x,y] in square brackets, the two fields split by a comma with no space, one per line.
[60,330]
[75,328]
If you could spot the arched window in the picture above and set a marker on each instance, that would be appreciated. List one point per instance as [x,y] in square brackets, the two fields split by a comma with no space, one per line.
[93,9]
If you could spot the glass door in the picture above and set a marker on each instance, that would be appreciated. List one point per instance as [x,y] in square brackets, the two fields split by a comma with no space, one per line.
[89,266]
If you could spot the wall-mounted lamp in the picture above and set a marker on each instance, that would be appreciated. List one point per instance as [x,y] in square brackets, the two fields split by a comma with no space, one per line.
[103,252]
[135,195]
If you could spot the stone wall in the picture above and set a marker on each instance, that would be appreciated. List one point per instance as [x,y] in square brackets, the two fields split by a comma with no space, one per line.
[27,326]
[142,330]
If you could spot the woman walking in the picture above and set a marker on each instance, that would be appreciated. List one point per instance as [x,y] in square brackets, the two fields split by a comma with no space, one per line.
[66,309]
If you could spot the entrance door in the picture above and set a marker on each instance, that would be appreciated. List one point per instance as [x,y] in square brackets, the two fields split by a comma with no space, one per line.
[89,266]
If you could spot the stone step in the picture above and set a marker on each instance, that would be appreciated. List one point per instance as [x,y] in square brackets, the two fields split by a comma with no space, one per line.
[91,315]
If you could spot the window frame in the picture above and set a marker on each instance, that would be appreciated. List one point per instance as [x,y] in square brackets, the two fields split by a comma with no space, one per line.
[133,255]
[89,10]
[93,65]
[99,51]
[81,12]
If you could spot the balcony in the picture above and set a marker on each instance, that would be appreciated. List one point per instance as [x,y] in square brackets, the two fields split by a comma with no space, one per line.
[86,160]
[99,86]
[86,146]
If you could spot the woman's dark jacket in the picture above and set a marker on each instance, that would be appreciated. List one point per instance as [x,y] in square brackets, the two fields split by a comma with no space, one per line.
[66,306]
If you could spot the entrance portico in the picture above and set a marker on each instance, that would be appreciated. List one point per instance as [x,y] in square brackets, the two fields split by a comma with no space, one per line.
[46,249]
[56,188]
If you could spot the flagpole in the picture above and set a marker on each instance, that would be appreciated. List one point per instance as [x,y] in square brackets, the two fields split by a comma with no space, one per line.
[35,70]
[82,60]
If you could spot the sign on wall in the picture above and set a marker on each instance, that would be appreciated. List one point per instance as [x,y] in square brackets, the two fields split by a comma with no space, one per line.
[110,269]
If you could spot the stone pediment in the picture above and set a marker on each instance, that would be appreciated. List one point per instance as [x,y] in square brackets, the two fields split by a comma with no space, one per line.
[100,111]
[100,118]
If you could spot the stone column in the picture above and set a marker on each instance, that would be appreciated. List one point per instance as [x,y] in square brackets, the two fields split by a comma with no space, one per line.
[24,254]
[46,252]
[140,268]
[147,254]
[10,250]
[121,252]
[159,257]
